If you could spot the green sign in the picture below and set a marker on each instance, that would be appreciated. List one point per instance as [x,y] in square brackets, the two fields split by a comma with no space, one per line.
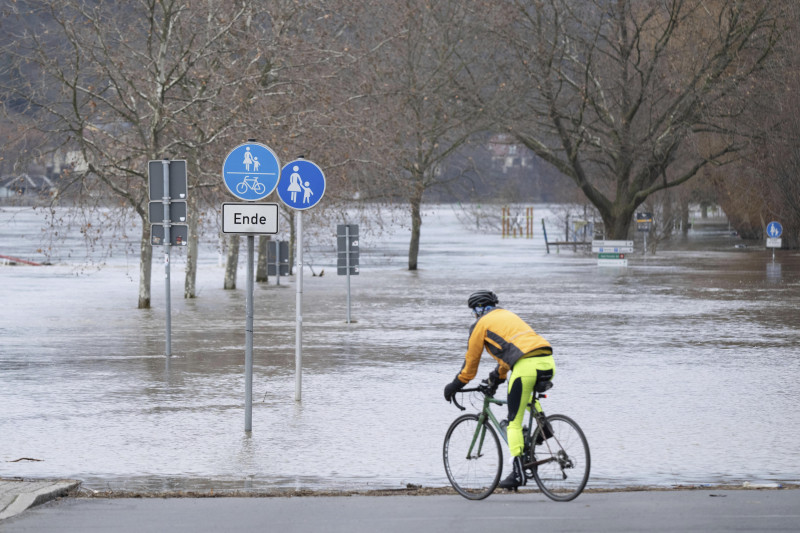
[611,256]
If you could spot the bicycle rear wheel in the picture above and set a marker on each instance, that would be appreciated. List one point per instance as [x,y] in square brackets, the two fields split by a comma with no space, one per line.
[562,462]
[473,458]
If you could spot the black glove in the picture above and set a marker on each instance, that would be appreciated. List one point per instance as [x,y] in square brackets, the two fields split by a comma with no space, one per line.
[493,382]
[452,388]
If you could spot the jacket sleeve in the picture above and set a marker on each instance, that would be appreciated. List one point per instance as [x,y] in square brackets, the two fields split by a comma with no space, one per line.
[473,356]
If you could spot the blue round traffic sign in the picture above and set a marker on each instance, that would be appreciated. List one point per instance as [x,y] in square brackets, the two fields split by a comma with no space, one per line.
[774,230]
[251,171]
[302,184]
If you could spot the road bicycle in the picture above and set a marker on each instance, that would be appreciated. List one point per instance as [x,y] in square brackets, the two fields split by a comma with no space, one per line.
[555,454]
[250,183]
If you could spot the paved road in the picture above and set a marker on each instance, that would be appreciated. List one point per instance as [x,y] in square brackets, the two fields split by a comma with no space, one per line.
[695,510]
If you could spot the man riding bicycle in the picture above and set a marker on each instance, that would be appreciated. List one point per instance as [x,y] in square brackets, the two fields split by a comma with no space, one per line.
[517,348]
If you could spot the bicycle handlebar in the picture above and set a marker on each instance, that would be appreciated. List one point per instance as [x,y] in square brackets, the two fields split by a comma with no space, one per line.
[480,388]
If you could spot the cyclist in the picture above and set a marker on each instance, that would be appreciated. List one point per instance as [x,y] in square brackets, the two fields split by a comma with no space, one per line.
[517,348]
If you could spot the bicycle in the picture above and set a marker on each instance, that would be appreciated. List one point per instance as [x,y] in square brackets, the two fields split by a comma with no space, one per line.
[556,452]
[250,183]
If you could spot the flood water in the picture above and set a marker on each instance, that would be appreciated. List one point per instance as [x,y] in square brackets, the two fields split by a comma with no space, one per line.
[681,368]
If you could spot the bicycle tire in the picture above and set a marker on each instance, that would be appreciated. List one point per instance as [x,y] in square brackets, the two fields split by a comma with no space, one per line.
[563,460]
[241,187]
[259,188]
[474,476]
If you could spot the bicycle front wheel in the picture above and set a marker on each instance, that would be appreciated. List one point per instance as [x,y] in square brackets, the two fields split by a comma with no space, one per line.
[561,463]
[473,458]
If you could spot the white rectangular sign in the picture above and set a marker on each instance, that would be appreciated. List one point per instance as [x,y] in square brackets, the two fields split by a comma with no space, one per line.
[249,218]
[612,262]
[774,242]
[614,247]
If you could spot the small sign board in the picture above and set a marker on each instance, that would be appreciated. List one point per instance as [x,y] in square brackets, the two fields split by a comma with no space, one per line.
[612,262]
[177,179]
[615,247]
[178,234]
[610,256]
[177,211]
[347,234]
[250,218]
[278,258]
[644,221]
[774,242]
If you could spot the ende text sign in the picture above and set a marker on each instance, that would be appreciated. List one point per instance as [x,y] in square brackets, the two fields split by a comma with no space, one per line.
[250,218]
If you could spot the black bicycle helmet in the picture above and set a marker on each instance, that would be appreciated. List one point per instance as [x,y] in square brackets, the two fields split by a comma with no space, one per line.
[482,299]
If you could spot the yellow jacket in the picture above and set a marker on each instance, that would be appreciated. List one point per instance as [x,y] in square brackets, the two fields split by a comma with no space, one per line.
[506,337]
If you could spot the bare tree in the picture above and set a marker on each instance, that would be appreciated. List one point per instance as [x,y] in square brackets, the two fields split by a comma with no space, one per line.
[616,93]
[126,83]
[414,76]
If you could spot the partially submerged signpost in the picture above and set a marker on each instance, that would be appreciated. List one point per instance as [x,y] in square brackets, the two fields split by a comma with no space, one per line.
[301,187]
[612,253]
[774,232]
[168,191]
[348,254]
[251,173]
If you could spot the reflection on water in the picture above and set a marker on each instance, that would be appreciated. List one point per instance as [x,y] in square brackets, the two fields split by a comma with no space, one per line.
[680,368]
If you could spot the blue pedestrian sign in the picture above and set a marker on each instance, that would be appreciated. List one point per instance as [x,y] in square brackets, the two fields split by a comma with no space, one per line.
[774,230]
[302,184]
[251,171]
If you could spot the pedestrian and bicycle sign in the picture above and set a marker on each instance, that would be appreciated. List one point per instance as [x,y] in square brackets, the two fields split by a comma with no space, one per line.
[774,232]
[302,184]
[251,171]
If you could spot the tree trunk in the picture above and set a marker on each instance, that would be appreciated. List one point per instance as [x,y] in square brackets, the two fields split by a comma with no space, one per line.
[261,266]
[190,282]
[617,225]
[416,223]
[145,265]
[685,216]
[231,262]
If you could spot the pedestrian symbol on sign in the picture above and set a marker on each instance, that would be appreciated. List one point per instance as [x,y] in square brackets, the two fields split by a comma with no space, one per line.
[774,229]
[302,184]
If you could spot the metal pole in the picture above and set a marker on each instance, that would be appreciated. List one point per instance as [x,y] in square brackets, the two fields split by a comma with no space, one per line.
[544,232]
[298,369]
[248,350]
[167,246]
[347,264]
[277,262]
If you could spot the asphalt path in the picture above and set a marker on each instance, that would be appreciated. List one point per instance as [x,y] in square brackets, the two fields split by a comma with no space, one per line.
[690,510]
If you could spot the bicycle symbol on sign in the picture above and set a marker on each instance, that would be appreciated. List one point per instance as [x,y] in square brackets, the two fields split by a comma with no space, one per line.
[250,183]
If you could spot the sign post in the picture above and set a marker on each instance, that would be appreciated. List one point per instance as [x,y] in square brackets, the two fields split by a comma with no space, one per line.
[250,172]
[774,232]
[301,187]
[644,221]
[347,262]
[612,253]
[167,187]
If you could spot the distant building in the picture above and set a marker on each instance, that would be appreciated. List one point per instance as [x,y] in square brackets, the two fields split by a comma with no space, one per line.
[509,154]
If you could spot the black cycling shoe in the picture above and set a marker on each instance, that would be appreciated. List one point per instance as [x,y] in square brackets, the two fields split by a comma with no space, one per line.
[515,478]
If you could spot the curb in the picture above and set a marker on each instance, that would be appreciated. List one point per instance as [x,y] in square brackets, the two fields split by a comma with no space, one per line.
[18,495]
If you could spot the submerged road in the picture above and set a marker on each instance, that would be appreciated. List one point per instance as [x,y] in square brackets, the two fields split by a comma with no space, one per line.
[695,510]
